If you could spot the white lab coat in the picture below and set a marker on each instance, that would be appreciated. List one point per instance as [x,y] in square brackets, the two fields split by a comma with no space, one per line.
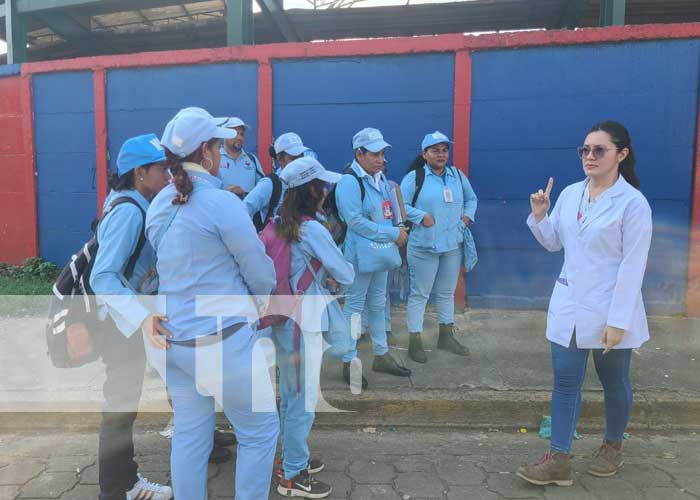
[604,263]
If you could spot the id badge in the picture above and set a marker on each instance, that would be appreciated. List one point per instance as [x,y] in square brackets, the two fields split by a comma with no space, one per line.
[387,210]
[447,195]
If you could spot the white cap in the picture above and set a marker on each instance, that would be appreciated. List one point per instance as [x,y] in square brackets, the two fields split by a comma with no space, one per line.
[231,122]
[306,169]
[189,128]
[290,143]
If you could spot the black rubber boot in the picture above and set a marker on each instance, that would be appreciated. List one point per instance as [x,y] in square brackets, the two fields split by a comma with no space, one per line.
[387,364]
[448,342]
[346,375]
[415,348]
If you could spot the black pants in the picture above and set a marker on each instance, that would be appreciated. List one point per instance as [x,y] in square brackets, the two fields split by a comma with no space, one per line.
[125,362]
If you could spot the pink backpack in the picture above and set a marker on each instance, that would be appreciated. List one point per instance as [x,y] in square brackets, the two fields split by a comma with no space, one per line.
[284,302]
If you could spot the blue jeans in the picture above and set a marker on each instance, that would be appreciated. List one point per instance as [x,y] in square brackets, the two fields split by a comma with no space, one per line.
[430,271]
[297,403]
[569,367]
[235,375]
[368,289]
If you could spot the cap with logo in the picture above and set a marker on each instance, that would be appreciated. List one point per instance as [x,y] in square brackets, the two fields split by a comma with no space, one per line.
[189,128]
[306,169]
[139,151]
[290,143]
[370,139]
[433,139]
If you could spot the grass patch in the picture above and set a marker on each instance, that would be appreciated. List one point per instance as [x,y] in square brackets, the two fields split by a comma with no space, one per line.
[25,289]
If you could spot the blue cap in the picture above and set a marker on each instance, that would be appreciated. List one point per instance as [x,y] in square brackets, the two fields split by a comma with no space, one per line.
[138,151]
[189,128]
[370,139]
[433,139]
[290,143]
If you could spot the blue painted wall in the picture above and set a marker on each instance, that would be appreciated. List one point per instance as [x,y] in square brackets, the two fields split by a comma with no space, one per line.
[140,101]
[64,135]
[327,100]
[530,110]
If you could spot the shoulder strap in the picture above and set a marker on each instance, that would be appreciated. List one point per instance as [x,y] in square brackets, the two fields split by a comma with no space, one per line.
[129,269]
[255,161]
[420,179]
[360,183]
[276,193]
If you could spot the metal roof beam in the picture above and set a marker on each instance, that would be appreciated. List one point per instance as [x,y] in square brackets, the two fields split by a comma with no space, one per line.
[239,22]
[612,12]
[72,31]
[274,11]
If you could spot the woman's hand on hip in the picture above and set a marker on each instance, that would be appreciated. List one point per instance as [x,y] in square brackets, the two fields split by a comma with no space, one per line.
[154,331]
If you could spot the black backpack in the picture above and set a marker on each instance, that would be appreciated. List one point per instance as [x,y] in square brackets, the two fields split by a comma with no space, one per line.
[274,200]
[337,227]
[73,321]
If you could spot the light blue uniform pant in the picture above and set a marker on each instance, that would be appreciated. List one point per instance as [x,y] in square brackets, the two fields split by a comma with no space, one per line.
[368,289]
[236,375]
[297,403]
[431,271]
[387,311]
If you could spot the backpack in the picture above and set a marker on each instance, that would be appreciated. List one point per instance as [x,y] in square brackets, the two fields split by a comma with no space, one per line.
[336,226]
[73,328]
[274,200]
[255,161]
[284,302]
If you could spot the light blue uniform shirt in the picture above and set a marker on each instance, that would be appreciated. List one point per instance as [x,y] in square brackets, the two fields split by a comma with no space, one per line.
[317,243]
[258,200]
[364,219]
[448,232]
[117,235]
[245,171]
[210,248]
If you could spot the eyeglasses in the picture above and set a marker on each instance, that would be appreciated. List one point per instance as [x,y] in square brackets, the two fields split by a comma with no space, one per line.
[598,151]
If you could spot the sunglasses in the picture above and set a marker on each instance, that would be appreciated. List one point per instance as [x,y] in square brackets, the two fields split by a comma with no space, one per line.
[598,151]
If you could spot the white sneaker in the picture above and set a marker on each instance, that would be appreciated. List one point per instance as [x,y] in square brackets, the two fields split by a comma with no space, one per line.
[169,430]
[146,490]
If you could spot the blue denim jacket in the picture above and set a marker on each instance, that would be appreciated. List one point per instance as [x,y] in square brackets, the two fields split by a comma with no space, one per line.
[364,219]
[118,234]
[210,248]
[448,232]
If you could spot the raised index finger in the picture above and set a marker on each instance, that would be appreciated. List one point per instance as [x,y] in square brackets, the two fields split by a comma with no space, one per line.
[550,183]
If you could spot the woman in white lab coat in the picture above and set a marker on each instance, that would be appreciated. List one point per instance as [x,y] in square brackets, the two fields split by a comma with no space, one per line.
[604,226]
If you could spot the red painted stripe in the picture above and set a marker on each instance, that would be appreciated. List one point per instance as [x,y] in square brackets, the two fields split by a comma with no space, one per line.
[401,45]
[99,85]
[30,166]
[693,291]
[461,131]
[264,114]
[462,110]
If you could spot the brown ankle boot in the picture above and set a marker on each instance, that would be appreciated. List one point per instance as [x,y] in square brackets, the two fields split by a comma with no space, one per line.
[553,468]
[448,342]
[607,460]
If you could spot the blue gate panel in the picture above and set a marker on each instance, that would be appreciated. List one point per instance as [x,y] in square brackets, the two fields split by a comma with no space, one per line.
[64,125]
[142,100]
[530,110]
[327,100]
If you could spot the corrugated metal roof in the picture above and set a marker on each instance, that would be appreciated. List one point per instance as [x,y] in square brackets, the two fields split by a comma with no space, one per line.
[201,23]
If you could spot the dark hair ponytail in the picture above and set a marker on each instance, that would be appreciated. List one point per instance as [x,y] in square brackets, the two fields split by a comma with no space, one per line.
[181,179]
[417,163]
[620,136]
[124,182]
